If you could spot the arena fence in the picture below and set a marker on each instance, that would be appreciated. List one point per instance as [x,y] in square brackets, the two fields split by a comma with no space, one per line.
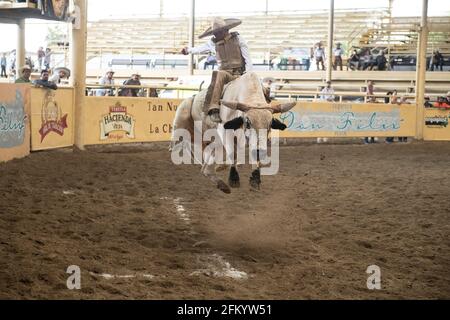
[37,119]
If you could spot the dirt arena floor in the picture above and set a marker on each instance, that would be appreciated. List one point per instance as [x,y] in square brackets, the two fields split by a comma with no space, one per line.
[140,227]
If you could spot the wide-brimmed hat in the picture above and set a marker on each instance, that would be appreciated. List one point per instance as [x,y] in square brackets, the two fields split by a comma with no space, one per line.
[219,24]
[25,67]
[109,71]
[63,69]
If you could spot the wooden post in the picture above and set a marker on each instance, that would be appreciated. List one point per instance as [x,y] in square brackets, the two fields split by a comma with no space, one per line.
[191,36]
[421,68]
[330,41]
[20,50]
[78,80]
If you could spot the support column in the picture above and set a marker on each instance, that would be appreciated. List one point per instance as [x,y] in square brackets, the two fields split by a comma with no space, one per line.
[330,41]
[191,36]
[78,61]
[421,68]
[391,2]
[20,50]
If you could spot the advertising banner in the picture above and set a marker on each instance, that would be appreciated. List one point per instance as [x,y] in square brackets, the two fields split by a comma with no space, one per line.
[52,115]
[14,121]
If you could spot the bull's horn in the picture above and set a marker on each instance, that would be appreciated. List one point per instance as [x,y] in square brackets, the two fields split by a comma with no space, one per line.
[236,105]
[283,107]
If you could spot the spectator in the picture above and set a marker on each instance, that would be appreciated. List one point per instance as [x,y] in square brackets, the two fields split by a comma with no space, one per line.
[60,73]
[25,75]
[427,103]
[43,82]
[3,63]
[370,99]
[268,86]
[108,79]
[41,56]
[338,52]
[210,61]
[392,99]
[353,61]
[381,61]
[327,93]
[319,55]
[366,61]
[370,91]
[442,102]
[133,81]
[12,62]
[47,58]
[437,60]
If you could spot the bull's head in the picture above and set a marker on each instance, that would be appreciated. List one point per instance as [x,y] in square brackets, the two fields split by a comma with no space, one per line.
[257,117]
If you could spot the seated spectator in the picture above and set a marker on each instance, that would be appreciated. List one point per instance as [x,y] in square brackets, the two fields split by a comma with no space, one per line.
[327,93]
[108,79]
[133,81]
[60,73]
[43,82]
[442,103]
[427,103]
[25,74]
[353,61]
[365,60]
[210,61]
[437,60]
[380,62]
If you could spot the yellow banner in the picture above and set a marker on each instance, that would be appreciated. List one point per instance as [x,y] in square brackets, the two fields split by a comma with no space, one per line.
[436,124]
[322,119]
[52,114]
[127,120]
[14,121]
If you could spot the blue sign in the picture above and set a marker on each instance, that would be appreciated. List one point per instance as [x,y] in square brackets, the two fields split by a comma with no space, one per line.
[12,122]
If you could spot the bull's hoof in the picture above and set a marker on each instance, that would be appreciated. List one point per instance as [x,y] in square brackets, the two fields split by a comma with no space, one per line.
[255,179]
[234,183]
[222,186]
[255,184]
[233,179]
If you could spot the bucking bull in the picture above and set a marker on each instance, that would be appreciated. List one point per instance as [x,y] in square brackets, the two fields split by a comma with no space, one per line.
[243,106]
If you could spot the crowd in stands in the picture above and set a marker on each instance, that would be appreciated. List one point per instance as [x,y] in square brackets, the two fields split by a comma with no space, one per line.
[135,80]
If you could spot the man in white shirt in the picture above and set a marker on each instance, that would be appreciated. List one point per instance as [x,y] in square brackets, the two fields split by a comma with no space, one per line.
[338,52]
[327,93]
[233,59]
[319,55]
[106,80]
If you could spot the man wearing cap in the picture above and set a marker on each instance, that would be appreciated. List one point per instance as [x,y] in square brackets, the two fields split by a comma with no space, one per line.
[106,80]
[25,74]
[233,59]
